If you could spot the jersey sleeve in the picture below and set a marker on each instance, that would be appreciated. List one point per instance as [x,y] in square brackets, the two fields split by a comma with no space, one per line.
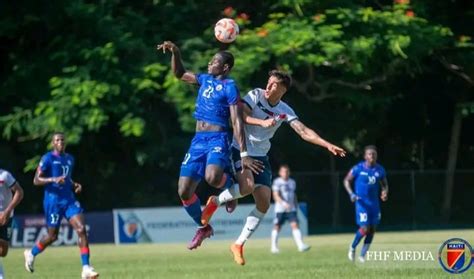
[201,78]
[276,185]
[9,180]
[355,171]
[44,164]
[383,174]
[232,93]
[290,114]
[251,99]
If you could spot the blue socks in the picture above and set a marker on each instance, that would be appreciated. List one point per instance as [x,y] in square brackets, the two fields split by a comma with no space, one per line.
[358,237]
[193,208]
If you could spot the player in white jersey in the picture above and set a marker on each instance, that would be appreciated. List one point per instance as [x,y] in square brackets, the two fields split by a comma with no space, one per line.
[264,112]
[11,194]
[286,208]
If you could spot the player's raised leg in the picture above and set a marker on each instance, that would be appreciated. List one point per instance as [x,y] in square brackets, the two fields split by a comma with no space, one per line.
[262,195]
[79,225]
[235,191]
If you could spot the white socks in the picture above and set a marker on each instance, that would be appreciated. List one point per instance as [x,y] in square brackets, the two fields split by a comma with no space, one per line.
[298,238]
[274,240]
[253,220]
[1,271]
[232,193]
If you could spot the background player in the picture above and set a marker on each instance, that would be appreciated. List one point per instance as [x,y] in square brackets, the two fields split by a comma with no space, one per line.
[264,112]
[55,173]
[286,208]
[11,195]
[208,155]
[368,175]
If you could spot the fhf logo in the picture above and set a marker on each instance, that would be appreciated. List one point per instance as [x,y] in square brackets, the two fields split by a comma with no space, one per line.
[455,255]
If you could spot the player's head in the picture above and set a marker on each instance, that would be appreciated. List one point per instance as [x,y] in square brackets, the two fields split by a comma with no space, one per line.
[370,154]
[278,83]
[221,63]
[58,141]
[284,171]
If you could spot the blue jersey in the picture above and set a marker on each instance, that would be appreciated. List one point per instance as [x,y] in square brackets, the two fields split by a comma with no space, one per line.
[367,181]
[55,165]
[214,98]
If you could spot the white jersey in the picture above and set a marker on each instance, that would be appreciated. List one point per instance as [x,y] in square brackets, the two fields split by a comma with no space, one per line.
[6,182]
[257,137]
[286,189]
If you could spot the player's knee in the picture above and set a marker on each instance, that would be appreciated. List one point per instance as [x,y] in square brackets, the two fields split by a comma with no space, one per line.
[80,229]
[214,179]
[263,207]
[184,192]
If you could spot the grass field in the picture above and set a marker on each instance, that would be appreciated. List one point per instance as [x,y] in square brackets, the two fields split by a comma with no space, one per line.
[326,259]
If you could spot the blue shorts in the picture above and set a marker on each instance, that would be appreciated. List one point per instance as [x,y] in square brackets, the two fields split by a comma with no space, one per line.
[263,178]
[207,148]
[282,217]
[55,210]
[367,213]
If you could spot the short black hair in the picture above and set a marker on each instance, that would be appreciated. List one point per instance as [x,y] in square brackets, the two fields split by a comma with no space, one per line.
[283,77]
[370,147]
[227,58]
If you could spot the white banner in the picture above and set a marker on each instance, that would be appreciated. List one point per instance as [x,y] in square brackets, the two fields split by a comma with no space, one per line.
[172,224]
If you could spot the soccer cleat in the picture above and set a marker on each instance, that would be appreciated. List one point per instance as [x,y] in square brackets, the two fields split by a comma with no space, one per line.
[201,234]
[88,272]
[29,261]
[361,259]
[238,252]
[304,248]
[351,254]
[275,250]
[230,206]
[208,211]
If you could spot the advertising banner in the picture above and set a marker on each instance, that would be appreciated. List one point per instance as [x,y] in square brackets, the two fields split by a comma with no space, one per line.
[28,229]
[172,224]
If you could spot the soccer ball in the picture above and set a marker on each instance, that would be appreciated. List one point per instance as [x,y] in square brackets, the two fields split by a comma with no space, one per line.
[226,30]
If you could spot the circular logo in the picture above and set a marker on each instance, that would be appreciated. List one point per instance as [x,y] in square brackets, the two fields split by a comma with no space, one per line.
[132,228]
[455,255]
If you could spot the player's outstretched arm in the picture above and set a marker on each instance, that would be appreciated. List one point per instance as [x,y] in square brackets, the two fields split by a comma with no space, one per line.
[312,137]
[255,166]
[249,120]
[347,184]
[177,65]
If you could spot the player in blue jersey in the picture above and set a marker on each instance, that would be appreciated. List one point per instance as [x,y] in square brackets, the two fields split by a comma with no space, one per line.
[369,177]
[55,174]
[209,153]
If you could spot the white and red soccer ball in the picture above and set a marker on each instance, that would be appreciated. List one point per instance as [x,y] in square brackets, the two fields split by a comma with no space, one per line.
[226,30]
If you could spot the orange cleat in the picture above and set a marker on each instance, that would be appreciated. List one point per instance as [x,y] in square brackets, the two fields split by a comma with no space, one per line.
[238,252]
[208,211]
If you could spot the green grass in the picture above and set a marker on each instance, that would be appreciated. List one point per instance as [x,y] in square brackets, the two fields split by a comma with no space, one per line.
[326,259]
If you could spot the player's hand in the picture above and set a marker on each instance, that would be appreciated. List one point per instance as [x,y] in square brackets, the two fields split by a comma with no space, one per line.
[59,179]
[249,163]
[384,195]
[336,150]
[77,188]
[167,45]
[354,197]
[270,122]
[4,217]
[287,206]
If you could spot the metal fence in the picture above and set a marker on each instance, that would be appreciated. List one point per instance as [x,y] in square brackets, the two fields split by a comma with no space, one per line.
[415,200]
